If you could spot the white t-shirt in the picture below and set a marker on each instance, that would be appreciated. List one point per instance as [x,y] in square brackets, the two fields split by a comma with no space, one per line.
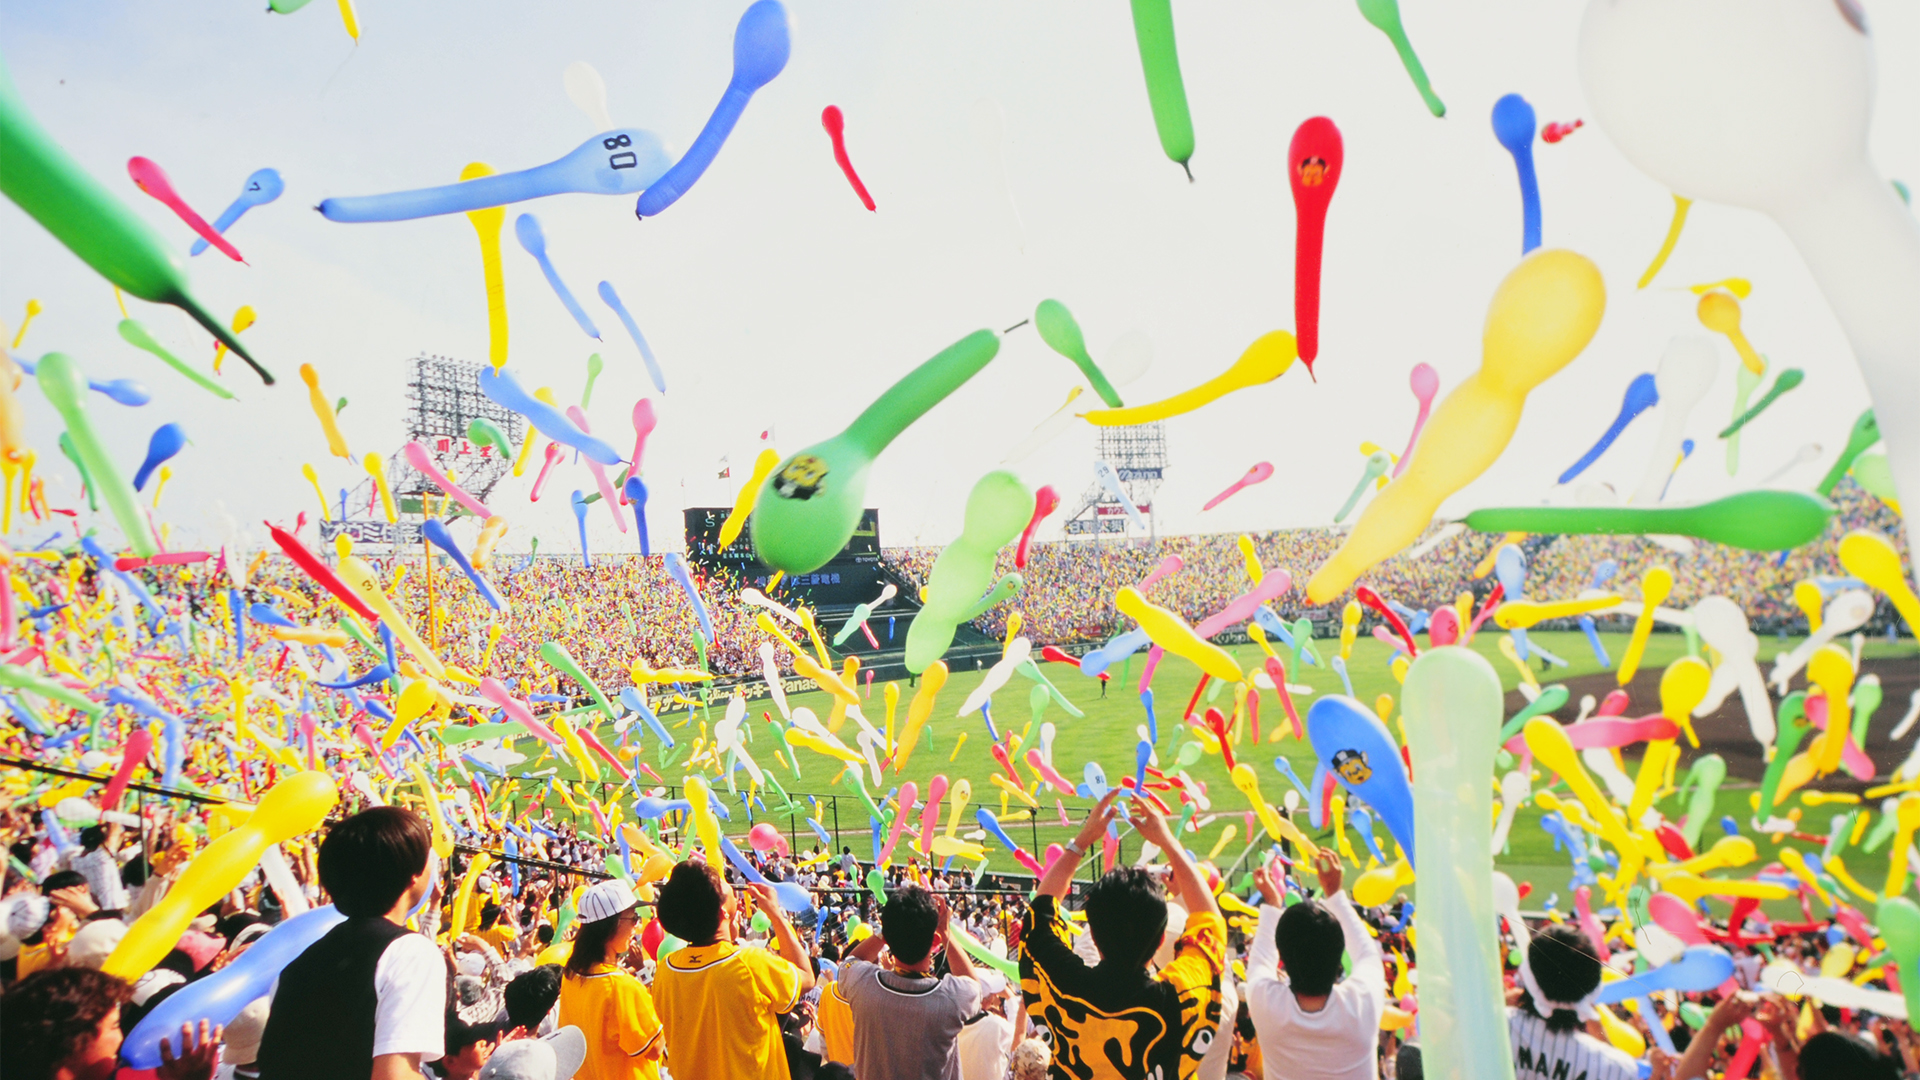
[1567,1055]
[102,872]
[411,983]
[984,1046]
[1340,1041]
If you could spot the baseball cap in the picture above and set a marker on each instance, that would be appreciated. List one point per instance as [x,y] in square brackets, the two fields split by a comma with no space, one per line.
[242,1037]
[991,981]
[605,899]
[26,914]
[95,942]
[553,1057]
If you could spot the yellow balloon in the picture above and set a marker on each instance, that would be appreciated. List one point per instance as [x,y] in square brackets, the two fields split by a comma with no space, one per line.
[1377,886]
[1264,361]
[1690,888]
[463,896]
[1655,587]
[1720,313]
[945,846]
[706,826]
[360,578]
[763,467]
[1872,559]
[1831,669]
[1682,687]
[919,709]
[323,410]
[1171,632]
[1521,614]
[295,805]
[415,699]
[1621,1034]
[1907,819]
[488,224]
[442,836]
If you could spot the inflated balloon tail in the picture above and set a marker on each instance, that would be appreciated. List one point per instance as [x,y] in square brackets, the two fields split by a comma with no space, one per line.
[1385,16]
[1315,158]
[836,125]
[1166,90]
[1680,207]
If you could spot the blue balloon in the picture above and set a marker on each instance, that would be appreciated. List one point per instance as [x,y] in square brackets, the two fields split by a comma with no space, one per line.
[761,45]
[125,391]
[1514,125]
[436,531]
[794,898]
[1641,395]
[526,228]
[612,300]
[1701,967]
[265,613]
[1510,569]
[636,492]
[263,187]
[1153,723]
[1593,641]
[1355,746]
[503,389]
[1114,651]
[678,568]
[630,697]
[168,440]
[219,997]
[579,503]
[618,162]
[820,831]
[990,822]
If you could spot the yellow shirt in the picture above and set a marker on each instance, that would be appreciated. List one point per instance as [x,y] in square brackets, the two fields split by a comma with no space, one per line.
[834,1016]
[615,1012]
[718,1005]
[499,935]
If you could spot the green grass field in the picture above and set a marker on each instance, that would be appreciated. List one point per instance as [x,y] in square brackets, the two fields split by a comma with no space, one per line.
[1107,735]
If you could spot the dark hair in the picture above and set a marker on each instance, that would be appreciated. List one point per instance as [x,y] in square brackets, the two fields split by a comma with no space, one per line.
[1311,944]
[368,861]
[690,903]
[93,836]
[530,996]
[1127,914]
[62,879]
[461,1034]
[1408,1063]
[135,873]
[1565,968]
[907,921]
[1832,1055]
[590,945]
[544,934]
[489,914]
[48,1016]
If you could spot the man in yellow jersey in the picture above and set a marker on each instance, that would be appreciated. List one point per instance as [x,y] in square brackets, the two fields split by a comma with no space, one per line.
[719,1002]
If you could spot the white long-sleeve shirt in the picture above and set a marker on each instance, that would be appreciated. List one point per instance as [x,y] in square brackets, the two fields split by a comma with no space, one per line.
[1339,1041]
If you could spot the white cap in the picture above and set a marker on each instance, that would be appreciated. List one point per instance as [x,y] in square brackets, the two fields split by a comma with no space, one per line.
[554,1057]
[95,942]
[991,981]
[605,899]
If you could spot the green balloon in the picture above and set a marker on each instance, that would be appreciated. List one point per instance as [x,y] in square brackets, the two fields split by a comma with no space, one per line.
[1693,1015]
[1032,671]
[1744,384]
[54,190]
[998,508]
[1166,91]
[66,447]
[1062,334]
[1550,700]
[1791,725]
[454,736]
[1038,699]
[1867,696]
[1190,753]
[594,367]
[1899,922]
[1788,379]
[1872,472]
[484,432]
[141,338]
[877,884]
[1385,16]
[66,388]
[286,7]
[1706,776]
[556,654]
[809,507]
[1003,590]
[1866,432]
[339,406]
[668,943]
[15,677]
[760,924]
[1754,520]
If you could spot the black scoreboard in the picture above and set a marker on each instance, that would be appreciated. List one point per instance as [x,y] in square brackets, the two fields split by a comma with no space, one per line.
[850,577]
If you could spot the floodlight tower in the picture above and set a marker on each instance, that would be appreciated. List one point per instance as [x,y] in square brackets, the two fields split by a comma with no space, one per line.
[1138,454]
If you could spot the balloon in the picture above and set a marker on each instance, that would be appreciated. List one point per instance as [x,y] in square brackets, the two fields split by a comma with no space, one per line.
[810,506]
[361,580]
[918,710]
[997,508]
[1720,313]
[1264,361]
[526,228]
[168,440]
[1848,612]
[588,91]
[1643,393]
[1062,334]
[1451,701]
[617,162]
[219,997]
[1172,633]
[643,425]
[1723,626]
[323,410]
[1260,473]
[483,432]
[1540,318]
[65,388]
[42,179]
[1753,520]
[836,126]
[321,573]
[636,494]
[1425,383]
[1109,479]
[1521,614]
[436,531]
[261,188]
[612,300]
[503,389]
[1377,464]
[1871,558]
[1355,746]
[418,457]
[1701,967]
[152,179]
[1513,125]
[975,949]
[1865,433]
[1788,379]
[1166,92]
[141,338]
[1315,158]
[743,503]
[138,745]
[1385,16]
[487,223]
[678,568]
[1899,921]
[1115,650]
[296,805]
[129,392]
[761,45]
[1857,238]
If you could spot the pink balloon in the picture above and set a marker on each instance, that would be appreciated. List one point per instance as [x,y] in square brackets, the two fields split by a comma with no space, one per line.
[763,837]
[1255,475]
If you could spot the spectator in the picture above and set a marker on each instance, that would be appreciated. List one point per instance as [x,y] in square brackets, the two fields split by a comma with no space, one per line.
[1312,1024]
[609,1006]
[1560,976]
[66,1024]
[906,1019]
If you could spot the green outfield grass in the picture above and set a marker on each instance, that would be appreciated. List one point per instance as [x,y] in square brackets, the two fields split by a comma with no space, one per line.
[1107,734]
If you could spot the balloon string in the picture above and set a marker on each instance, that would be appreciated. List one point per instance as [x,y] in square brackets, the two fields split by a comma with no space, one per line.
[1016,326]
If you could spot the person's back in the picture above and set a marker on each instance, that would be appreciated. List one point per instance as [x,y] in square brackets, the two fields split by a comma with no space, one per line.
[1546,1030]
[613,1011]
[369,988]
[833,1018]
[1312,1025]
[905,1021]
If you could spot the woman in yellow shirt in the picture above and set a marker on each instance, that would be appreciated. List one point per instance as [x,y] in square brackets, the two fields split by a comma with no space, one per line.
[605,1002]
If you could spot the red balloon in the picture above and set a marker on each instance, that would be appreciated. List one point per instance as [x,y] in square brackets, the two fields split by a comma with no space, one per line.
[1313,170]
[651,937]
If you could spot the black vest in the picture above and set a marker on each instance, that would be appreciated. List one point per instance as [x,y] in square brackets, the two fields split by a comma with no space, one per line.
[321,1025]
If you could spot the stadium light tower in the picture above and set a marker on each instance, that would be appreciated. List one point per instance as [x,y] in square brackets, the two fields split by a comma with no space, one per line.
[1138,454]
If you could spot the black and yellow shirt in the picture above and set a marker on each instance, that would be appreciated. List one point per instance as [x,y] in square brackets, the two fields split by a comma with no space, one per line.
[1124,1025]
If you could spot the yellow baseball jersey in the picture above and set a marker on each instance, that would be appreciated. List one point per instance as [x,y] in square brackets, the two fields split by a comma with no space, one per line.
[719,1006]
[615,1012]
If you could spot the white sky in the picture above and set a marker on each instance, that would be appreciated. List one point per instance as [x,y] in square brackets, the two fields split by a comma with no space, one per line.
[772,298]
